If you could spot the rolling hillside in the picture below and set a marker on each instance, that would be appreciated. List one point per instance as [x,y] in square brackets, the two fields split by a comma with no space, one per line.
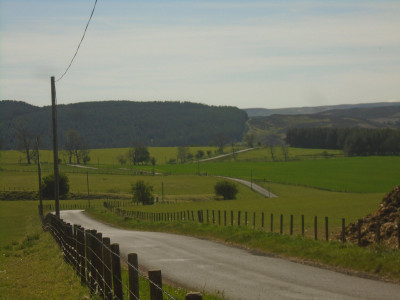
[272,129]
[111,124]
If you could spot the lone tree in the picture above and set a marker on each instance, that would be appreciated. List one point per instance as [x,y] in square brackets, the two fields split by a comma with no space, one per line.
[142,192]
[226,189]
[138,154]
[48,186]
[75,148]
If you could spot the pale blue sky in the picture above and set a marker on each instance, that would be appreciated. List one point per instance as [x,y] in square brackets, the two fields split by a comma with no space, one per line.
[243,53]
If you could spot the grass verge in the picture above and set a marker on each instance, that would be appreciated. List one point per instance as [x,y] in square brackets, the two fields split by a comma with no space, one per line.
[377,261]
[32,265]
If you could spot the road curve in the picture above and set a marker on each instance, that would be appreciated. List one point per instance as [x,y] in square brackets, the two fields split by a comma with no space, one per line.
[253,186]
[205,265]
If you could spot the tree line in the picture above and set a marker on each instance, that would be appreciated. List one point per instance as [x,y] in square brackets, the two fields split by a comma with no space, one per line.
[353,141]
[115,124]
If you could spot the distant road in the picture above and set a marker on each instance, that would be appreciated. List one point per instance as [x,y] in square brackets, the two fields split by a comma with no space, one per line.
[253,186]
[224,155]
[238,274]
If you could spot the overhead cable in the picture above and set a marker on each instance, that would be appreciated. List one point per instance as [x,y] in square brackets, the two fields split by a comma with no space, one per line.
[79,45]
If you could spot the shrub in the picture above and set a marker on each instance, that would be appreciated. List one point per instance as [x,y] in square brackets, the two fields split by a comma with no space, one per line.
[48,186]
[142,192]
[226,189]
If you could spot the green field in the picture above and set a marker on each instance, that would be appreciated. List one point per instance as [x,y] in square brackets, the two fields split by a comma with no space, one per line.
[312,183]
[373,174]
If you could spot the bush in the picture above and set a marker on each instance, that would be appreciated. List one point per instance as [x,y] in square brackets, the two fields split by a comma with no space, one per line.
[226,189]
[142,192]
[48,186]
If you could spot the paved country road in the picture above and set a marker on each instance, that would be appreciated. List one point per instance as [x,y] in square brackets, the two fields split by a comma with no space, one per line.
[205,265]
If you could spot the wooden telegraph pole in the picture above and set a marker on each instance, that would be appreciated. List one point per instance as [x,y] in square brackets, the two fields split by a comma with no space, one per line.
[55,145]
[40,178]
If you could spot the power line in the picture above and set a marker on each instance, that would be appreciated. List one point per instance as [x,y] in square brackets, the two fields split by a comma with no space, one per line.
[77,49]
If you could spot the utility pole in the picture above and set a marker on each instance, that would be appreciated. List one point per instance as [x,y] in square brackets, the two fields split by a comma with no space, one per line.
[87,182]
[40,179]
[55,146]
[251,179]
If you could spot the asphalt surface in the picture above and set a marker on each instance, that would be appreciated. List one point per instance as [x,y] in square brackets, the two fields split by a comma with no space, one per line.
[205,265]
[253,186]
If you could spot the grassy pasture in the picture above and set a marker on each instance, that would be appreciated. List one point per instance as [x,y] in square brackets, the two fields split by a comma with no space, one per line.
[348,174]
[292,200]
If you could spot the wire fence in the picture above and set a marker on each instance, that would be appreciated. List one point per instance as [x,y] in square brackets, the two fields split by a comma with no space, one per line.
[98,263]
[328,229]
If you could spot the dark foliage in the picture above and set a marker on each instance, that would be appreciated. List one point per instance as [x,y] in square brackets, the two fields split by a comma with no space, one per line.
[226,189]
[112,124]
[142,192]
[353,141]
[48,186]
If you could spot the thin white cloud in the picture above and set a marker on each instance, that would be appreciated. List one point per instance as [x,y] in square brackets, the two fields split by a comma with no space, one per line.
[301,53]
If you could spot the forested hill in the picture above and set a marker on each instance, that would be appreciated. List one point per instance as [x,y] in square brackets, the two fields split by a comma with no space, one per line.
[111,124]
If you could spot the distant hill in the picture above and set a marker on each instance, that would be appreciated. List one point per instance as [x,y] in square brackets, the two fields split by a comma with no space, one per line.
[109,124]
[272,129]
[262,112]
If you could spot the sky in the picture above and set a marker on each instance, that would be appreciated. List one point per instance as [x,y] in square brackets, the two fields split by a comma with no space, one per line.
[268,54]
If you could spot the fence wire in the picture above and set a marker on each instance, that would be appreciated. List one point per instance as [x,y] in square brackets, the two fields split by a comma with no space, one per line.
[94,277]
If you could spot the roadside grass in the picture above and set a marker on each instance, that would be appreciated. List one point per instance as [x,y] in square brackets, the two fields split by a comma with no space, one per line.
[376,261]
[292,200]
[31,264]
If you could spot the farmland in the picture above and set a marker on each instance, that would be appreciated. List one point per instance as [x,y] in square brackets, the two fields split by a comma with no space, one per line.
[310,183]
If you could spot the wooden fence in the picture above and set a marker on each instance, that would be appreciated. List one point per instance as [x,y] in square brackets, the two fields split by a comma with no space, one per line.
[239,218]
[98,263]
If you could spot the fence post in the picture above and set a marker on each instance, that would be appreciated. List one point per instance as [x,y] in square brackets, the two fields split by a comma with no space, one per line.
[81,251]
[262,220]
[281,229]
[315,228]
[238,221]
[193,296]
[100,263]
[88,251]
[291,224]
[231,217]
[155,285]
[107,269]
[133,276]
[272,222]
[116,270]
[224,217]
[326,229]
[343,230]
[302,225]
[254,220]
[245,218]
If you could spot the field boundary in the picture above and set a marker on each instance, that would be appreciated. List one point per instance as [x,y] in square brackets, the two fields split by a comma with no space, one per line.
[246,219]
[98,262]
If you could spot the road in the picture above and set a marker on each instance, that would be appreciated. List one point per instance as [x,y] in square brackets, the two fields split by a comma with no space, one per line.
[224,155]
[206,265]
[253,186]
